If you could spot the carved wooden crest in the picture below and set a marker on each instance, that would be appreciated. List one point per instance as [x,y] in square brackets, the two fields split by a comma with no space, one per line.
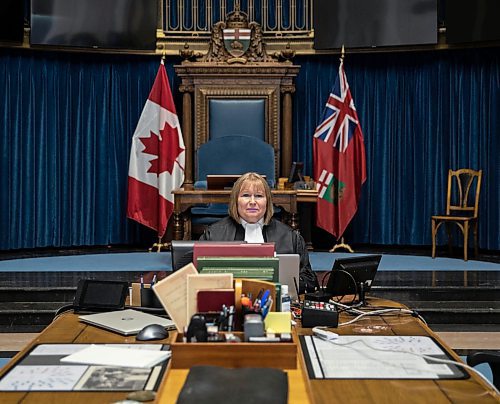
[235,40]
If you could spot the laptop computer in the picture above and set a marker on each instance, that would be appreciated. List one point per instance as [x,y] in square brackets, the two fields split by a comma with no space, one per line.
[289,267]
[125,322]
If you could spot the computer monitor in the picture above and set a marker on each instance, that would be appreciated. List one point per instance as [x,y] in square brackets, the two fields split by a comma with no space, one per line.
[296,172]
[353,276]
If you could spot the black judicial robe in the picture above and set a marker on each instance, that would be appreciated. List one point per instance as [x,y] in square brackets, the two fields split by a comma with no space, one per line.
[286,240]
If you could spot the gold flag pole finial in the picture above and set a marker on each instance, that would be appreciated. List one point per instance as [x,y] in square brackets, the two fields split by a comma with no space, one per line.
[342,245]
[159,245]
[164,55]
[342,53]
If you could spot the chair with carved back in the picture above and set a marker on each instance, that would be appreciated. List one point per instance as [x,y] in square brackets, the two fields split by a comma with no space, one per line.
[234,154]
[462,203]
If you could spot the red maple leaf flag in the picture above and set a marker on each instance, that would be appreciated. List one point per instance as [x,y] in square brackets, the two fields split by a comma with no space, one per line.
[156,158]
[339,159]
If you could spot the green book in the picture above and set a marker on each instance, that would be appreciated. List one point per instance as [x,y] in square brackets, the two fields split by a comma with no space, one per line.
[266,268]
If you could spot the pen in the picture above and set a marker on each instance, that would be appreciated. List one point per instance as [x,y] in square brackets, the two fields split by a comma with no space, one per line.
[265,296]
[266,307]
[142,281]
[230,319]
[154,280]
[256,303]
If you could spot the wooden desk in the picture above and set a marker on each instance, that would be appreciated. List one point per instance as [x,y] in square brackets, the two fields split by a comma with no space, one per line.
[67,329]
[187,198]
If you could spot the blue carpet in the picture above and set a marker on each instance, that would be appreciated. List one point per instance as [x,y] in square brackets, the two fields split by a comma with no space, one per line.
[145,262]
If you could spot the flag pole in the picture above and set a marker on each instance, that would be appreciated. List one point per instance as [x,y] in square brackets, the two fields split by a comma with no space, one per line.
[342,244]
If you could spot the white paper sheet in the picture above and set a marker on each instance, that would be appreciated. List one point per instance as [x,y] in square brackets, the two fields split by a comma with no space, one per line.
[42,378]
[112,356]
[58,349]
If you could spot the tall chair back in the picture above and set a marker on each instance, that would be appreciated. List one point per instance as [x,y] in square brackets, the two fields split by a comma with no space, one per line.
[235,154]
[462,204]
[464,187]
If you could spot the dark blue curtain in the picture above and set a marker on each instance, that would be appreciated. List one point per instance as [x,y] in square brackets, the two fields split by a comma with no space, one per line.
[422,113]
[66,121]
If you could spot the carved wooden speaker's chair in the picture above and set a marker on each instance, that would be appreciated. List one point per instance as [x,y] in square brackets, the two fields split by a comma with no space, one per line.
[225,155]
[462,203]
[236,88]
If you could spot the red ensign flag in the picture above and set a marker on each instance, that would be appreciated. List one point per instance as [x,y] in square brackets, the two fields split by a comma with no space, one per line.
[156,159]
[339,159]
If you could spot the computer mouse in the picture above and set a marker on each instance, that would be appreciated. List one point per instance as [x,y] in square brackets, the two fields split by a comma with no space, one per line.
[152,332]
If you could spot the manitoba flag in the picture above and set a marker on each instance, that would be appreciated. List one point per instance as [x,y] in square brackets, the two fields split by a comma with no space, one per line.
[339,159]
[156,159]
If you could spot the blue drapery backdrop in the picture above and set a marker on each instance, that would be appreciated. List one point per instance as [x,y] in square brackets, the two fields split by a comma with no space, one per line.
[67,119]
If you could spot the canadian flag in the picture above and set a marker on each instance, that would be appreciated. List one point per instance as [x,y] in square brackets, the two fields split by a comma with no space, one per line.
[156,159]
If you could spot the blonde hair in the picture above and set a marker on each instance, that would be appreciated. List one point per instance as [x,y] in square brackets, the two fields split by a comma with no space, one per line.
[258,181]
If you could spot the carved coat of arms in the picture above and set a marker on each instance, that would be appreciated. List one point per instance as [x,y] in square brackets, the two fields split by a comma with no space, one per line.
[237,40]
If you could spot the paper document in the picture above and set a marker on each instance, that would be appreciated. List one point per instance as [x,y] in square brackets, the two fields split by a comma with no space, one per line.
[112,356]
[376,357]
[195,283]
[172,293]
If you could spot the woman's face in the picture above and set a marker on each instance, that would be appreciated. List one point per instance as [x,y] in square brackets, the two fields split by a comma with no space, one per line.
[252,202]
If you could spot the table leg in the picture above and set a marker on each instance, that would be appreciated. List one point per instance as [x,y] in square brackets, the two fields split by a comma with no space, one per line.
[306,221]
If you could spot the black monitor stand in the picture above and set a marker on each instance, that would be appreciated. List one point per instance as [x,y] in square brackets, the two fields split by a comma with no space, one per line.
[362,294]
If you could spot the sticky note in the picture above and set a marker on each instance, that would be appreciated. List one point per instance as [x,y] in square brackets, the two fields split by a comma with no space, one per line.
[278,322]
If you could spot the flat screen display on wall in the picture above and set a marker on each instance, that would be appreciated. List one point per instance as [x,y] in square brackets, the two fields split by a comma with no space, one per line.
[370,23]
[472,21]
[109,24]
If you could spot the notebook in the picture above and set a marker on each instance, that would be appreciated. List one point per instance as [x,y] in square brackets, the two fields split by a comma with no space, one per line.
[125,322]
[289,266]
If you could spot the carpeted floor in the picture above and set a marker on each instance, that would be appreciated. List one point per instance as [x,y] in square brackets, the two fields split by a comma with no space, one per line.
[146,262]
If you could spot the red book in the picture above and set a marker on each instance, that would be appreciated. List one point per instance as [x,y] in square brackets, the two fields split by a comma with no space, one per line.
[232,250]
[212,300]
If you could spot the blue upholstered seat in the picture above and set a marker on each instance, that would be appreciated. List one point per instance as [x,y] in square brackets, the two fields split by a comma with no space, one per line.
[235,154]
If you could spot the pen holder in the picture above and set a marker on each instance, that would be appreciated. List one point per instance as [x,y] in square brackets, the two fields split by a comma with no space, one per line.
[149,299]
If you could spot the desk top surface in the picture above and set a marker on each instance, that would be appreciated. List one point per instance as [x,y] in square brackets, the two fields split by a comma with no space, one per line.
[67,329]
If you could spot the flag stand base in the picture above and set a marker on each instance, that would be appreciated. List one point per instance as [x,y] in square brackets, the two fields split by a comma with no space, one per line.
[342,245]
[159,245]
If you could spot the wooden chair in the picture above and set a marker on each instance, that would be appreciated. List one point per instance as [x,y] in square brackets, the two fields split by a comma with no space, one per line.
[462,204]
